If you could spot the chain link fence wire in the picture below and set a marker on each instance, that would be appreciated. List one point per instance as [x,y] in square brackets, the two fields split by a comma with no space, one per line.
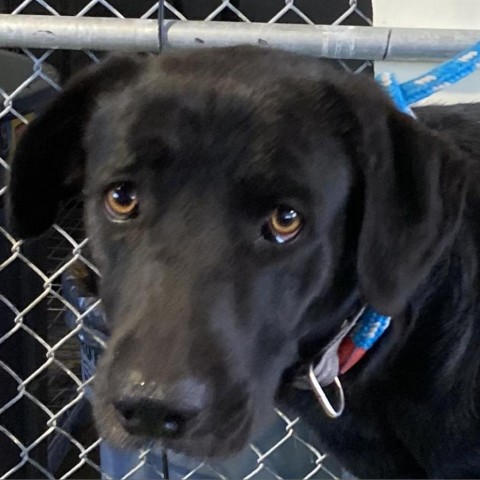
[46,427]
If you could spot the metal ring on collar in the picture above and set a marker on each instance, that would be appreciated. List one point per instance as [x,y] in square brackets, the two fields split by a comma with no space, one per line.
[322,397]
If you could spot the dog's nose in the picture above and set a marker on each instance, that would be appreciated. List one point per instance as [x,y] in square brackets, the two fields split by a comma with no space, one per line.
[166,417]
[152,418]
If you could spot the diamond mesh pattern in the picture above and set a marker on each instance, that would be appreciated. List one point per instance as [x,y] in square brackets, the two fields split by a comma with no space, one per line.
[46,429]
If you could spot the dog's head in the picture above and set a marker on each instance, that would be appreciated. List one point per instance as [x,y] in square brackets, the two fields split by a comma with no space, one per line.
[239,202]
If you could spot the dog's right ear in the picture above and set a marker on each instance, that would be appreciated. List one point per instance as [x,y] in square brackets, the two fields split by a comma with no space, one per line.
[48,164]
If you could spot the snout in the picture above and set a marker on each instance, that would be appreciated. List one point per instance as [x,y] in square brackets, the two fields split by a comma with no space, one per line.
[161,412]
[189,416]
[187,367]
[172,403]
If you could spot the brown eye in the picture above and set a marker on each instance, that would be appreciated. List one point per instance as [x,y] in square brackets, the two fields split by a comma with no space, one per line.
[283,224]
[121,201]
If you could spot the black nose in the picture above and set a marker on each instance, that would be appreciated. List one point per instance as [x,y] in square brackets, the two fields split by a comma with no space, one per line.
[168,415]
[152,418]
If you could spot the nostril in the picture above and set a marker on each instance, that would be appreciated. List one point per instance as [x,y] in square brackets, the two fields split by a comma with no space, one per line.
[173,424]
[128,413]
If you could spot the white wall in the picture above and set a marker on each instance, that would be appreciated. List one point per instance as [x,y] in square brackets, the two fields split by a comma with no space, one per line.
[430,14]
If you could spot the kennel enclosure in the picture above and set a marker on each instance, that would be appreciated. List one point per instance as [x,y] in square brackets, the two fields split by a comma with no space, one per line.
[47,349]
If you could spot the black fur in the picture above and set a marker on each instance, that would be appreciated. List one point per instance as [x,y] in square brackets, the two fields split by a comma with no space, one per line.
[207,315]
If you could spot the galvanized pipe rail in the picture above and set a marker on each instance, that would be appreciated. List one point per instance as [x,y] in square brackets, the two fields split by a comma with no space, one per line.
[341,42]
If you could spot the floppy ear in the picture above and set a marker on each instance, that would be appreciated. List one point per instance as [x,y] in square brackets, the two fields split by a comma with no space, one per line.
[414,192]
[48,163]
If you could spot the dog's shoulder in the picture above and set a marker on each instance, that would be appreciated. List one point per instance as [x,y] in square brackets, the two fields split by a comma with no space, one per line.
[459,123]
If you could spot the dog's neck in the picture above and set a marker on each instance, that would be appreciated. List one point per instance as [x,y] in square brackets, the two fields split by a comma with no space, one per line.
[449,292]
[444,308]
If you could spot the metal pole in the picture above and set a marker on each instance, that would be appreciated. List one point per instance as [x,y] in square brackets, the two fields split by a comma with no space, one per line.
[345,42]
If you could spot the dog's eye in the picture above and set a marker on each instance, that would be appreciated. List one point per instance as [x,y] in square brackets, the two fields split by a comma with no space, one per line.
[283,224]
[121,201]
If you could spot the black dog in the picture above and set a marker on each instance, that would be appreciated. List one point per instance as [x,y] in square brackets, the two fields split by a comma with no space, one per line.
[241,204]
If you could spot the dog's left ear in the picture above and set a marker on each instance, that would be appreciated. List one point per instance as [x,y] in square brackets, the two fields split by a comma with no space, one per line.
[414,193]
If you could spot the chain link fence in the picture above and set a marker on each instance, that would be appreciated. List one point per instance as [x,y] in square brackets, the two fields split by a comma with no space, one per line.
[46,427]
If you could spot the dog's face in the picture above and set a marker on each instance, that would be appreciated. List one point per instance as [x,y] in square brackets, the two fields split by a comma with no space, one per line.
[238,202]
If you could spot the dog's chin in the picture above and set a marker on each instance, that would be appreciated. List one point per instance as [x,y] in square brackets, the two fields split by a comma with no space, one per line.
[208,446]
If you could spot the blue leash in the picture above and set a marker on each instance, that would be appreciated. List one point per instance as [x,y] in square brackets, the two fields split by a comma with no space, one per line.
[448,73]
[372,325]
